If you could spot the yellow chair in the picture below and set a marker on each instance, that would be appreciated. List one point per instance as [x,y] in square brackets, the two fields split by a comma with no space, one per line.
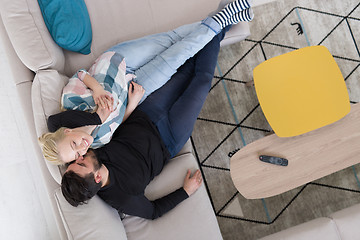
[301,91]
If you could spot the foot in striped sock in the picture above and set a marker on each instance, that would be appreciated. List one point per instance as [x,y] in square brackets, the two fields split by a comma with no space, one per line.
[237,6]
[229,10]
[244,16]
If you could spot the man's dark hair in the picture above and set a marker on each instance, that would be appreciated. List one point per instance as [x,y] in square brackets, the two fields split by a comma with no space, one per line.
[78,190]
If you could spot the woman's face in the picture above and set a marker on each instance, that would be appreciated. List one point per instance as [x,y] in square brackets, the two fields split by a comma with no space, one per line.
[75,144]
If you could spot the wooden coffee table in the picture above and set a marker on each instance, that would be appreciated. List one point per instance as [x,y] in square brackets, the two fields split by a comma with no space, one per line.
[311,156]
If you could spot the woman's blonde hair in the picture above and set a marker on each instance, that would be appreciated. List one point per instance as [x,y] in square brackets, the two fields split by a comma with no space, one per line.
[48,143]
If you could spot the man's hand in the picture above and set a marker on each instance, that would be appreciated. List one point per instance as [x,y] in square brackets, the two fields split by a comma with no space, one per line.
[136,92]
[191,184]
[103,98]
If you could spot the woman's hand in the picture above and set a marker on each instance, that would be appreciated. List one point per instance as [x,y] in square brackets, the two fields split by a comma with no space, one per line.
[136,92]
[191,184]
[103,113]
[103,98]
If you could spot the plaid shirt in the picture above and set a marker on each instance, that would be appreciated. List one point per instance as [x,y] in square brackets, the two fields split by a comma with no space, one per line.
[110,71]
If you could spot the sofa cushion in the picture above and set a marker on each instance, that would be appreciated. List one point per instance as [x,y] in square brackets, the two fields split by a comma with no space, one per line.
[112,21]
[68,23]
[29,36]
[196,211]
[92,221]
[45,93]
[348,222]
[152,16]
[320,228]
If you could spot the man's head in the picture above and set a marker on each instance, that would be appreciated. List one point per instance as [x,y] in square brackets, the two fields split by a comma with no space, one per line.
[82,179]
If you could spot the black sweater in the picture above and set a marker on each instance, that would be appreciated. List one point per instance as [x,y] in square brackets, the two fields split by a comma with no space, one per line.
[134,156]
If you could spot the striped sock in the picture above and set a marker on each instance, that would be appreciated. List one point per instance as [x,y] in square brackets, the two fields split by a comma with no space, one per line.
[244,16]
[229,10]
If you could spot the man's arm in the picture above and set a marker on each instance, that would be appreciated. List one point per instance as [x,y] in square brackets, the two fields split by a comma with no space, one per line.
[142,207]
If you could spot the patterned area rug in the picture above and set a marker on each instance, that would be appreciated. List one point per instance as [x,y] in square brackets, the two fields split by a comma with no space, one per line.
[232,117]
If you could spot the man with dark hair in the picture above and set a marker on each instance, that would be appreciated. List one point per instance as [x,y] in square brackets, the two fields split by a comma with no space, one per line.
[154,133]
[79,189]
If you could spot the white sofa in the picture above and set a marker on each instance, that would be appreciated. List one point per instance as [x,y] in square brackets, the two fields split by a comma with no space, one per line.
[41,68]
[341,225]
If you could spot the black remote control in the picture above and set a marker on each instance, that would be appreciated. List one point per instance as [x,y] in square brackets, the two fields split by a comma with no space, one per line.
[274,160]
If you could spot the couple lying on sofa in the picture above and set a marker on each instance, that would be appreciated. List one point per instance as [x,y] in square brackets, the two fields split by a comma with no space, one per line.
[155,125]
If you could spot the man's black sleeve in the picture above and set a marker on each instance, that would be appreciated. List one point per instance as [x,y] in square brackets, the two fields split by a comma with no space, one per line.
[72,119]
[142,207]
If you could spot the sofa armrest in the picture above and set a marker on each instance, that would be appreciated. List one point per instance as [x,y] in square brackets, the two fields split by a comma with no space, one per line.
[236,34]
[319,228]
[347,222]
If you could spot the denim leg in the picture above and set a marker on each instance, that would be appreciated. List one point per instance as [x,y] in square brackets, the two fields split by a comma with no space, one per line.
[164,53]
[140,51]
[159,70]
[158,103]
[174,107]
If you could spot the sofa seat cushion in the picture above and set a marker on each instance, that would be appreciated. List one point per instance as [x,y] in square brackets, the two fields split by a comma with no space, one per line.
[196,211]
[113,22]
[46,93]
[68,23]
[348,222]
[320,228]
[93,221]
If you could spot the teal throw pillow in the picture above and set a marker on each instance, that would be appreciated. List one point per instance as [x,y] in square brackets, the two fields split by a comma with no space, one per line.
[69,23]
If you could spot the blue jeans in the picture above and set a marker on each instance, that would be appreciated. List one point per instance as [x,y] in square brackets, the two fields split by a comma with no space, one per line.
[155,58]
[175,107]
